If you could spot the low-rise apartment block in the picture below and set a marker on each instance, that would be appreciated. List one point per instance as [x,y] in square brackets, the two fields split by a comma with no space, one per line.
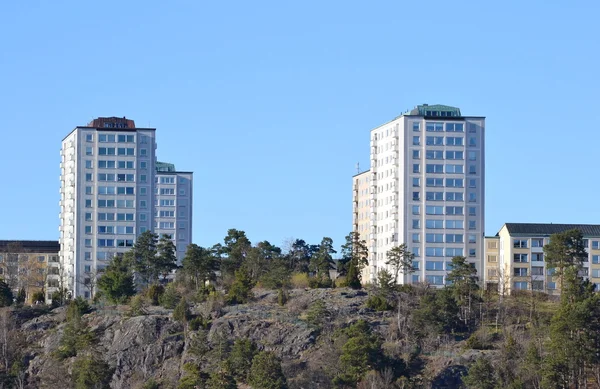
[515,256]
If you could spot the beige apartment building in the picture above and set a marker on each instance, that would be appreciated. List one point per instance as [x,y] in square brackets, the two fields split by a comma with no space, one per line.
[515,260]
[361,211]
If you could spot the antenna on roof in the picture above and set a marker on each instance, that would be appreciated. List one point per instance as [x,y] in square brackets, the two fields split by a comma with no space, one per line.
[357,167]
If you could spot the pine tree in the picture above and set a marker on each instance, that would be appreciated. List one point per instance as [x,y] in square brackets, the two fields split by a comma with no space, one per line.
[266,372]
[117,281]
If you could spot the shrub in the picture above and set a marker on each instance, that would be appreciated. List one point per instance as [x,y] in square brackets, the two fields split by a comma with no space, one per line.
[6,295]
[317,313]
[266,372]
[170,298]
[378,303]
[319,282]
[299,280]
[199,322]
[151,384]
[182,312]
[91,372]
[241,289]
[137,306]
[341,282]
[154,292]
[38,297]
[282,297]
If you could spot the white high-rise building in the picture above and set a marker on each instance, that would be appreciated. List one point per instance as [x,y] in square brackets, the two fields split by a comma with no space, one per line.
[173,206]
[108,186]
[425,188]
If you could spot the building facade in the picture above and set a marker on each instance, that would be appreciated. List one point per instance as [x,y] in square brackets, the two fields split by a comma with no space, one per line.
[31,265]
[426,189]
[173,206]
[520,251]
[108,196]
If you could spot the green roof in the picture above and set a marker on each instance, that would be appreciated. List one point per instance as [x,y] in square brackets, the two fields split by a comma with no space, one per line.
[436,110]
[165,167]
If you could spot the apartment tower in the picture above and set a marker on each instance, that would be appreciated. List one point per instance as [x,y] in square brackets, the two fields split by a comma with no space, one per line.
[108,196]
[425,187]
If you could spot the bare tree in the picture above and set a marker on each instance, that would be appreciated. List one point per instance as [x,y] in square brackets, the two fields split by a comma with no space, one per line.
[10,263]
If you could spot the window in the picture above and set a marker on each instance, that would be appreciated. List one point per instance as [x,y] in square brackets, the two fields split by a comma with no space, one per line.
[520,285]
[492,272]
[472,238]
[454,196]
[125,190]
[88,229]
[89,151]
[125,216]
[537,242]
[416,209]
[89,137]
[416,251]
[551,285]
[430,168]
[166,225]
[454,238]
[88,203]
[124,203]
[434,280]
[106,138]
[454,169]
[87,268]
[106,216]
[595,259]
[454,252]
[520,272]
[454,141]
[550,271]
[167,191]
[472,127]
[41,258]
[434,127]
[88,164]
[434,251]
[125,151]
[88,242]
[454,155]
[142,217]
[106,151]
[434,210]
[88,177]
[167,180]
[143,152]
[434,154]
[434,265]
[416,154]
[520,258]
[106,243]
[539,257]
[416,168]
[429,223]
[416,140]
[454,224]
[472,155]
[472,197]
[416,238]
[124,230]
[595,245]
[167,203]
[167,213]
[435,182]
[492,258]
[454,127]
[537,271]
[143,191]
[434,238]
[454,182]
[88,216]
[434,140]
[472,252]
[415,278]
[472,141]
[87,255]
[106,230]
[596,273]
[88,190]
[472,211]
[124,242]
[454,210]
[416,223]
[520,243]
[416,126]
[472,169]
[472,183]
[434,196]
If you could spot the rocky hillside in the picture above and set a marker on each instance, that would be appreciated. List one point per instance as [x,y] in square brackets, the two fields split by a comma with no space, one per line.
[150,349]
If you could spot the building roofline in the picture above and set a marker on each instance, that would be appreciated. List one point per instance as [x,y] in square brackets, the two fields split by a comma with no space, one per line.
[108,129]
[363,172]
[175,172]
[438,118]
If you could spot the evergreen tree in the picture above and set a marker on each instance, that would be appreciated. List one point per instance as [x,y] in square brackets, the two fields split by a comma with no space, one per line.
[360,353]
[565,250]
[143,256]
[266,372]
[200,264]
[166,260]
[240,358]
[355,257]
[481,375]
[117,281]
[6,295]
[322,262]
[463,285]
[400,259]
[241,289]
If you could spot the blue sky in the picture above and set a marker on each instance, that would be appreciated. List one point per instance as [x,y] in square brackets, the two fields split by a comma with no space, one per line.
[271,103]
